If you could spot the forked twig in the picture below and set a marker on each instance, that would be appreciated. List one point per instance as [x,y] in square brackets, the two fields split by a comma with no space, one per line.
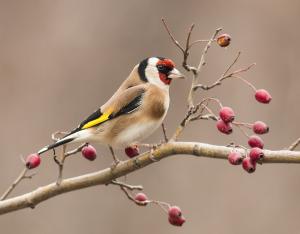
[128,186]
[201,64]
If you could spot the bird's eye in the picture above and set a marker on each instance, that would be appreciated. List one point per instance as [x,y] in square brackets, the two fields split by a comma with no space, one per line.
[160,67]
[163,69]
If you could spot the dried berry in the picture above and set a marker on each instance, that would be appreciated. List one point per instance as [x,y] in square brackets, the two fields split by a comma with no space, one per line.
[33,161]
[263,96]
[260,127]
[132,151]
[226,114]
[255,141]
[89,152]
[223,127]
[224,40]
[235,158]
[249,165]
[256,154]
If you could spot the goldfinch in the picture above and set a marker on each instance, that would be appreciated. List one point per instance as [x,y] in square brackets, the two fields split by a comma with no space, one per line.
[133,113]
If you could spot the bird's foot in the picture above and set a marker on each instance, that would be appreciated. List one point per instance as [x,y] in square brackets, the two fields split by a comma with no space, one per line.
[116,160]
[152,157]
[152,148]
[115,163]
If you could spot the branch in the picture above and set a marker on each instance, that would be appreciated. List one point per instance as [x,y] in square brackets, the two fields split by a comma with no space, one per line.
[107,175]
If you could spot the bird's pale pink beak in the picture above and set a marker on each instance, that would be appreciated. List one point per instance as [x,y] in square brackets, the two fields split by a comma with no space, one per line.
[175,74]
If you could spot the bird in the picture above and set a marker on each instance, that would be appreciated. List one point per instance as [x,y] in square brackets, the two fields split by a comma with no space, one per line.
[134,111]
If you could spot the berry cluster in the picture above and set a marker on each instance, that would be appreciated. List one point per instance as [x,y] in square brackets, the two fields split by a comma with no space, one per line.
[249,161]
[175,216]
[225,123]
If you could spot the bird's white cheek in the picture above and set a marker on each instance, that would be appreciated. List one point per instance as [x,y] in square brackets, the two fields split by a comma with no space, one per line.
[152,75]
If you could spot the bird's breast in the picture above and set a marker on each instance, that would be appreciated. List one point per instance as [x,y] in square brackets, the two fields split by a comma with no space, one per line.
[157,105]
[136,132]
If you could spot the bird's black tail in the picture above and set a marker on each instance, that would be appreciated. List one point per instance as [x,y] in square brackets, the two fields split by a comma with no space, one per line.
[56,144]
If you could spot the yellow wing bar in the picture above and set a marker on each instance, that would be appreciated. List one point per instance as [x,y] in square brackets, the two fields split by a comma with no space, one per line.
[101,119]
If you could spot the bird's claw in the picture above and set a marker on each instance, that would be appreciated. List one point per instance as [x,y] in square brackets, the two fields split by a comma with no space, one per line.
[152,158]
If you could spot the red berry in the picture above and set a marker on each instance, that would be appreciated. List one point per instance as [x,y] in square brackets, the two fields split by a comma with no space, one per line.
[249,165]
[260,127]
[223,127]
[263,96]
[235,158]
[175,216]
[256,154]
[224,40]
[174,212]
[89,152]
[177,221]
[32,161]
[132,151]
[142,198]
[226,114]
[255,141]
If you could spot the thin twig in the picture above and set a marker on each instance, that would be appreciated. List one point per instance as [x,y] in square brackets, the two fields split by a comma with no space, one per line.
[247,125]
[232,64]
[205,50]
[231,75]
[196,42]
[242,130]
[123,186]
[129,196]
[75,151]
[15,183]
[171,35]
[128,186]
[294,145]
[185,51]
[202,63]
[182,124]
[189,116]
[204,117]
[164,132]
[60,162]
[61,166]
[163,205]
[245,81]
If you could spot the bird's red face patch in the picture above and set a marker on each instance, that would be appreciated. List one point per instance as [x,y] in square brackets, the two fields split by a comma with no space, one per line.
[164,66]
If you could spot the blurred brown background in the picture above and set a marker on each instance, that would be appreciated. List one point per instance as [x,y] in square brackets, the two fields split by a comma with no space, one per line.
[61,59]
